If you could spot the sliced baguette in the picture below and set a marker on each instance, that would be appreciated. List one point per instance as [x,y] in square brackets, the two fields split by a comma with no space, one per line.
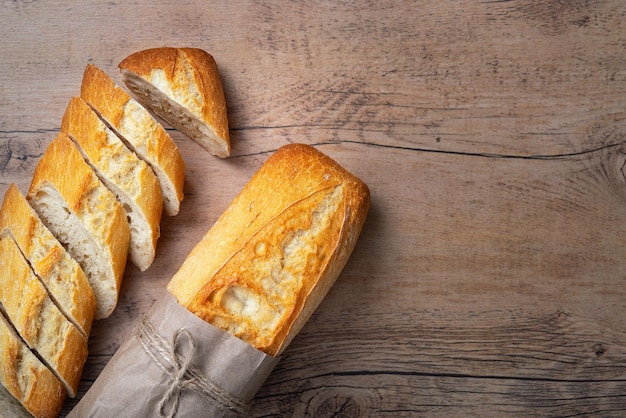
[183,87]
[140,130]
[84,216]
[272,256]
[26,379]
[60,273]
[129,178]
[36,318]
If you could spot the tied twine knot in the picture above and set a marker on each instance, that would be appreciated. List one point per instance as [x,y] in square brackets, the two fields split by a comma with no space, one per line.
[175,361]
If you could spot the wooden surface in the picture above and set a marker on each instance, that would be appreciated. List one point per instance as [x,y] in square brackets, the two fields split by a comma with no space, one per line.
[490,277]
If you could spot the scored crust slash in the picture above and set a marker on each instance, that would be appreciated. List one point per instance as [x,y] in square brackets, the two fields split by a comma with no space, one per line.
[242,294]
[275,252]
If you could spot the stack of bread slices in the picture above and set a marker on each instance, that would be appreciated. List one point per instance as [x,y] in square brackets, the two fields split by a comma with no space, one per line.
[95,201]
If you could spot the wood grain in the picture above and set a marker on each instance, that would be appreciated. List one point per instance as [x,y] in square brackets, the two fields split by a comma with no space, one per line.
[476,363]
[490,276]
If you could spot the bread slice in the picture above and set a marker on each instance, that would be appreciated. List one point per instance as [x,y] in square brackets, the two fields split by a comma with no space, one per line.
[129,178]
[272,256]
[26,379]
[139,130]
[84,216]
[59,272]
[183,87]
[36,318]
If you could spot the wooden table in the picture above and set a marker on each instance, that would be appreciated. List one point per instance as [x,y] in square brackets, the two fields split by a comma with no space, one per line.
[490,277]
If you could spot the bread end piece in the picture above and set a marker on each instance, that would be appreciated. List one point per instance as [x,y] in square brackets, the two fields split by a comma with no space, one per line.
[273,255]
[184,88]
[140,131]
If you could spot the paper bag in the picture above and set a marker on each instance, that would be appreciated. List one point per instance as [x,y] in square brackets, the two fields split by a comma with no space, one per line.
[176,364]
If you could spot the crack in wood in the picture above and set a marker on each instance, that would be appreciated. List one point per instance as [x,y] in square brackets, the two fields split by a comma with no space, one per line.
[562,156]
[464,376]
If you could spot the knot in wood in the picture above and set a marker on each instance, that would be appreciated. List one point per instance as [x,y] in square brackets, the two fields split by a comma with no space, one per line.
[614,169]
[342,402]
[338,405]
[598,350]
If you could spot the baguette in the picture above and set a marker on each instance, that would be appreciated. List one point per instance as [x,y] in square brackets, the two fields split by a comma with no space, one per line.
[36,318]
[272,256]
[26,379]
[183,87]
[129,178]
[84,216]
[60,273]
[141,132]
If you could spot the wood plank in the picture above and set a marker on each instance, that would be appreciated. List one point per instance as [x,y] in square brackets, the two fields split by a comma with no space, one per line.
[476,363]
[513,78]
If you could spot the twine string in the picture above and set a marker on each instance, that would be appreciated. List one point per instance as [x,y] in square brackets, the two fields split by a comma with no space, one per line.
[175,361]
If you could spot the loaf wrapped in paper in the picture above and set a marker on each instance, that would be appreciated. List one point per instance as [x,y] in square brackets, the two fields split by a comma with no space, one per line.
[241,296]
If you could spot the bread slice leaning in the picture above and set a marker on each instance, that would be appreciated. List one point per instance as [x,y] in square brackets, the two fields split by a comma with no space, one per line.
[59,272]
[84,216]
[272,256]
[37,319]
[139,130]
[129,178]
[183,87]
[26,379]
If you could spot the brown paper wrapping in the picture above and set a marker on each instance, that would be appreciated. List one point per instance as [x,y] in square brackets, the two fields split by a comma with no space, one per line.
[176,364]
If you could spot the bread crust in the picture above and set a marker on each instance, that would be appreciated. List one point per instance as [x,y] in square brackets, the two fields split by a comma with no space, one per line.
[63,167]
[141,131]
[59,272]
[296,223]
[128,177]
[26,378]
[36,318]
[193,82]
[214,110]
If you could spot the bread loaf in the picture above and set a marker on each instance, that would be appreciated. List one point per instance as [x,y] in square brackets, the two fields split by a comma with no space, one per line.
[183,87]
[84,216]
[129,178]
[60,273]
[272,256]
[141,132]
[36,318]
[26,378]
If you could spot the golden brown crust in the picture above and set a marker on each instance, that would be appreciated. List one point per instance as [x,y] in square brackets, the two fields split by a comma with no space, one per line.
[145,135]
[26,378]
[143,62]
[36,318]
[183,74]
[295,223]
[103,95]
[63,167]
[133,182]
[62,276]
